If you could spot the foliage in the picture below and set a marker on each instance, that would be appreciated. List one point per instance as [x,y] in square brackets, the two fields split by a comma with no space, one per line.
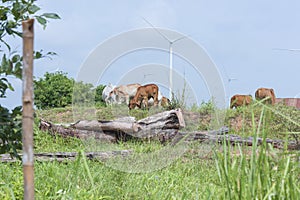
[281,120]
[10,131]
[83,94]
[12,13]
[286,120]
[206,108]
[57,90]
[54,90]
[98,96]
[177,102]
[261,173]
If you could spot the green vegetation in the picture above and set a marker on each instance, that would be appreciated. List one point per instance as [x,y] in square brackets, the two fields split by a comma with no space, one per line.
[12,13]
[57,90]
[281,120]
[54,90]
[204,171]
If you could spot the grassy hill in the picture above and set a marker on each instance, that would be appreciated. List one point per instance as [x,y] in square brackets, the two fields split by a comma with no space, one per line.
[201,171]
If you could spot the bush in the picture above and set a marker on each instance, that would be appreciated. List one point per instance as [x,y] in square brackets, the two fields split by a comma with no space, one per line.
[56,90]
[53,91]
[98,96]
[10,131]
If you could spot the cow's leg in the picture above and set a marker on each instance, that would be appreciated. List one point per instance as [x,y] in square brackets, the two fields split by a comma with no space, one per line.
[127,99]
[155,98]
[145,100]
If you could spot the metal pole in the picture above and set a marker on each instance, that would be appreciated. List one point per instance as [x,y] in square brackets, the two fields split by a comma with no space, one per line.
[27,116]
[171,73]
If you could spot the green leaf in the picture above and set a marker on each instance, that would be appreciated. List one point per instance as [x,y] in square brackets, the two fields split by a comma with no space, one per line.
[10,87]
[4,64]
[42,21]
[18,70]
[51,15]
[16,58]
[9,67]
[33,9]
[38,55]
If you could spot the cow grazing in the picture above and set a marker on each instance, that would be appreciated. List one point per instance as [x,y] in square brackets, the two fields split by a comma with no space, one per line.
[162,101]
[143,94]
[106,91]
[262,93]
[165,102]
[240,100]
[123,93]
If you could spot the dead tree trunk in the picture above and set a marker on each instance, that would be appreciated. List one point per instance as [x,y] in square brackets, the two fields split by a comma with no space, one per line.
[221,137]
[63,156]
[120,129]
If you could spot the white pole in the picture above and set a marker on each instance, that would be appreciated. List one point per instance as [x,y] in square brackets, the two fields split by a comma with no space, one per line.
[171,73]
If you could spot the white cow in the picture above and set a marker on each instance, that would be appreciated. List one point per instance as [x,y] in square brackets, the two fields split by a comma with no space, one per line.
[123,93]
[106,91]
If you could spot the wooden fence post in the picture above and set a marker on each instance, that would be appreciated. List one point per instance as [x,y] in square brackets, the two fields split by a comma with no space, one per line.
[27,116]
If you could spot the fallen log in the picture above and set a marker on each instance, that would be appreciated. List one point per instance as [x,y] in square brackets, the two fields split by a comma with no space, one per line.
[67,156]
[120,129]
[232,139]
[77,133]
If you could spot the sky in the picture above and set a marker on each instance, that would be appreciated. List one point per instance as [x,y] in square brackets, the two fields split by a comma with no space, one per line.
[243,39]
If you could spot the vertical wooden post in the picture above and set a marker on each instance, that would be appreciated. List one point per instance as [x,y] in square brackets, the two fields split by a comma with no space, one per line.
[27,116]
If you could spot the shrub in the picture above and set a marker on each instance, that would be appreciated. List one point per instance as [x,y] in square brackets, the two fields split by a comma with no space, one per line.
[54,90]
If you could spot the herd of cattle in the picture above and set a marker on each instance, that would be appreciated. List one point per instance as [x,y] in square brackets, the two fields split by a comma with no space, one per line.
[267,94]
[134,95]
[144,96]
[261,93]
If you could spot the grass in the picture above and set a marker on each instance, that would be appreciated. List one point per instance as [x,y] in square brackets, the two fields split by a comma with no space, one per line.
[203,171]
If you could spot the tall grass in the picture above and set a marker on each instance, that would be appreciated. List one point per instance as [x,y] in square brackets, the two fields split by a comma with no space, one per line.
[261,173]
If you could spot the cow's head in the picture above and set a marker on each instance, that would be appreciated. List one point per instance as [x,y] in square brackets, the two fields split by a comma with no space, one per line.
[133,104]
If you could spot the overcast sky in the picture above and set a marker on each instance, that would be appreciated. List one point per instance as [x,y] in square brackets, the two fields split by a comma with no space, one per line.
[242,38]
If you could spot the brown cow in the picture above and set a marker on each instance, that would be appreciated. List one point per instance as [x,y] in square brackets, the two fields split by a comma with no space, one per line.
[143,94]
[262,93]
[240,100]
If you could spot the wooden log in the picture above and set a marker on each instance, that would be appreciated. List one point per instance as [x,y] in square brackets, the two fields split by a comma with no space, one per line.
[172,119]
[219,138]
[103,126]
[65,156]
[120,129]
[82,134]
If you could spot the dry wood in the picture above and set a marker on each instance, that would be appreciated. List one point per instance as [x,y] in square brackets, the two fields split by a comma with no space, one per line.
[220,137]
[166,120]
[121,129]
[64,156]
[78,133]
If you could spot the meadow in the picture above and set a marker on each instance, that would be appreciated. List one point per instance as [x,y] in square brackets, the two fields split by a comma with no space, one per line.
[203,171]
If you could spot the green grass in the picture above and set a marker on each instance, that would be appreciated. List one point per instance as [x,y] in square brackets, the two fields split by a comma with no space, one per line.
[263,174]
[204,171]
